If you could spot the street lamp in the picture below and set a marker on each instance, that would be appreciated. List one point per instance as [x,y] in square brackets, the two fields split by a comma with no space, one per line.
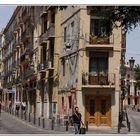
[131,63]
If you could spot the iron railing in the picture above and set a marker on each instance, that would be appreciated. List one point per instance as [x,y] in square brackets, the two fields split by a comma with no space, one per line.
[88,78]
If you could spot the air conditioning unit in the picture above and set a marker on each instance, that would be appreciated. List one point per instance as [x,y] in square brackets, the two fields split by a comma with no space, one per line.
[49,65]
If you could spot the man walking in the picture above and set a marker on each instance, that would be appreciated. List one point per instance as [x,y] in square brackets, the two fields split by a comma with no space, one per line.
[77,120]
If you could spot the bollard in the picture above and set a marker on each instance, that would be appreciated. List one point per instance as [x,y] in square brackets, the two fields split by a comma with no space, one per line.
[29,117]
[39,121]
[18,113]
[43,123]
[87,126]
[21,114]
[67,124]
[129,126]
[25,115]
[34,118]
[119,127]
[52,124]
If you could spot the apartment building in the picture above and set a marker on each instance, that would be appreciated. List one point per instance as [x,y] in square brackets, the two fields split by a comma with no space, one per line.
[56,59]
[91,54]
[31,59]
[1,64]
[132,95]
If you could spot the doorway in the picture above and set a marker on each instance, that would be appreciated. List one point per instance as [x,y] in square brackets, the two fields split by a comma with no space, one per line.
[98,110]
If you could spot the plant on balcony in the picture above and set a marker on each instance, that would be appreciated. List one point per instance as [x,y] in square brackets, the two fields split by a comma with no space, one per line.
[99,39]
[84,78]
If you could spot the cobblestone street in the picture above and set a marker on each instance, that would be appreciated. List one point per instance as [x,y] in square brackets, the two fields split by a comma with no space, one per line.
[11,125]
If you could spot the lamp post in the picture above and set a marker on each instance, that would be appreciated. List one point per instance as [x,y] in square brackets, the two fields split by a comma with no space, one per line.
[131,64]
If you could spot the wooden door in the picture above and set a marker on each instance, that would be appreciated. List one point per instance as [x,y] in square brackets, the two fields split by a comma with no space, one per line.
[90,110]
[105,111]
[98,110]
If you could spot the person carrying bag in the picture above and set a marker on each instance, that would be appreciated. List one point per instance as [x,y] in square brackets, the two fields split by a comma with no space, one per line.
[77,121]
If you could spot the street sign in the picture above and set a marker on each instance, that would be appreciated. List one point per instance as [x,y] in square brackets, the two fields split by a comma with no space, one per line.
[73,90]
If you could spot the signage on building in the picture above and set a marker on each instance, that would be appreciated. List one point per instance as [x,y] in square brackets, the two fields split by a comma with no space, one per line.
[73,90]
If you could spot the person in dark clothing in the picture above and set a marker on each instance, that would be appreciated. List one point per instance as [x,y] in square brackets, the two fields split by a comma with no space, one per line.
[77,120]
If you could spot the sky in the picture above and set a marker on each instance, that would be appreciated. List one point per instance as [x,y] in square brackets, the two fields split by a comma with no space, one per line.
[132,38]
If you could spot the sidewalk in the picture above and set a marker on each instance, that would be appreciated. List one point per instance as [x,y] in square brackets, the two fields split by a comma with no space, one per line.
[46,124]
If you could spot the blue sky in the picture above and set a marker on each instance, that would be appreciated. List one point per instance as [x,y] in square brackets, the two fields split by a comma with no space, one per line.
[132,43]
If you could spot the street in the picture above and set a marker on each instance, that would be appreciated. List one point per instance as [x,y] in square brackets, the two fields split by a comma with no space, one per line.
[134,118]
[12,125]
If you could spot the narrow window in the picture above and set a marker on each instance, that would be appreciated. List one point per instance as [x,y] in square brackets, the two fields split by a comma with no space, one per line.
[65,34]
[62,103]
[63,65]
[70,99]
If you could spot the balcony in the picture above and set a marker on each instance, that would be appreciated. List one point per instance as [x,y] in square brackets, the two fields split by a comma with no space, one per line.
[24,57]
[100,42]
[29,72]
[18,42]
[25,16]
[43,11]
[90,80]
[14,45]
[48,34]
[25,35]
[18,62]
[18,80]
[45,66]
[14,64]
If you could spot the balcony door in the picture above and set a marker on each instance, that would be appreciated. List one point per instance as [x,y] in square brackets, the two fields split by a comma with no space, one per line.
[98,68]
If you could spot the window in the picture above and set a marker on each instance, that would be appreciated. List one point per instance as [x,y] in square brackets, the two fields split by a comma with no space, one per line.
[65,34]
[63,67]
[63,103]
[128,101]
[54,107]
[70,99]
[128,76]
[135,101]
[52,17]
[128,89]
[98,64]
[99,27]
[135,90]
[72,30]
[44,24]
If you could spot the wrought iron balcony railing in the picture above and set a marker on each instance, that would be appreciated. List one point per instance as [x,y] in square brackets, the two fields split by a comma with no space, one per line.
[102,40]
[89,78]
[29,72]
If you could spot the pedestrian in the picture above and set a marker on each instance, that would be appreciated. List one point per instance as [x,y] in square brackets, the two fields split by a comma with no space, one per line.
[10,106]
[17,107]
[77,120]
[23,107]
